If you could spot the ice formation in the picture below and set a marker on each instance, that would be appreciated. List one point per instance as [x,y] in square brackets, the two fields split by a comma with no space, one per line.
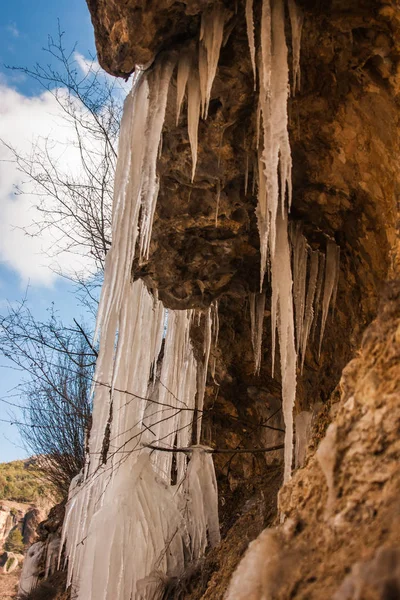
[211,331]
[300,253]
[132,491]
[194,100]
[283,320]
[198,79]
[274,196]
[257,309]
[211,38]
[201,502]
[31,569]
[52,552]
[275,159]
[184,68]
[309,274]
[250,35]
[296,20]
[331,282]
[309,307]
[148,387]
[130,496]
[295,294]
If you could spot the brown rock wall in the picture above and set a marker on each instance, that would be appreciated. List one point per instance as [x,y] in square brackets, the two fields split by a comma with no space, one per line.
[345,147]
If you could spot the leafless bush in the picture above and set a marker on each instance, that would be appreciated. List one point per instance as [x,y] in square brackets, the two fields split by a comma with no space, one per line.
[75,206]
[54,397]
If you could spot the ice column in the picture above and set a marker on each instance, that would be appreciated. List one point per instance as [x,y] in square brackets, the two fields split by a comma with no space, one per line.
[144,394]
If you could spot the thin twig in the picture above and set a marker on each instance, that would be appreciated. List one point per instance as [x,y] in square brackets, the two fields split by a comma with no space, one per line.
[218,450]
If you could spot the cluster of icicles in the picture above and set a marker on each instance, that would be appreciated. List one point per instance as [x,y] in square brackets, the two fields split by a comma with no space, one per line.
[139,517]
[136,517]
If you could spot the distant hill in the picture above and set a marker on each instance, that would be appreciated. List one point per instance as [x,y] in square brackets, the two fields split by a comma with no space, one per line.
[20,481]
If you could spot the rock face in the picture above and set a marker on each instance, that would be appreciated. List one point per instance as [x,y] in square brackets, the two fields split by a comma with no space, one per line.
[31,520]
[7,522]
[345,148]
[24,516]
[341,535]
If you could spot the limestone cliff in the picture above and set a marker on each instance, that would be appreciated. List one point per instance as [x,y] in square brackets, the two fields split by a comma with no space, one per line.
[205,246]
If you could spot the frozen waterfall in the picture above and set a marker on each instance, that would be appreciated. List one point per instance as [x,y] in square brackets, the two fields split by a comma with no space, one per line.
[133,504]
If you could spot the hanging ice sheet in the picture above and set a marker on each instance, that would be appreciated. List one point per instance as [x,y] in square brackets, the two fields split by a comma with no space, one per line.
[125,498]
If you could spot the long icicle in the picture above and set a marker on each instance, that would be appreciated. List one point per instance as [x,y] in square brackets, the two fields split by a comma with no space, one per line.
[211,38]
[184,68]
[274,201]
[309,311]
[296,20]
[282,300]
[331,279]
[124,498]
[250,36]
[194,100]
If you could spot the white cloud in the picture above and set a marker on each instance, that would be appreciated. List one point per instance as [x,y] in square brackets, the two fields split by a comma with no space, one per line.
[87,66]
[12,28]
[25,121]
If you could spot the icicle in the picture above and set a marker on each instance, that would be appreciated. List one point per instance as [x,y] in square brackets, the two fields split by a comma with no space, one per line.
[263,221]
[211,37]
[300,255]
[218,199]
[335,285]
[250,35]
[318,291]
[184,68]
[125,499]
[215,322]
[193,116]
[331,277]
[258,123]
[203,76]
[255,177]
[141,514]
[303,432]
[158,102]
[283,319]
[201,501]
[203,368]
[215,335]
[52,552]
[275,160]
[257,309]
[309,311]
[296,20]
[246,175]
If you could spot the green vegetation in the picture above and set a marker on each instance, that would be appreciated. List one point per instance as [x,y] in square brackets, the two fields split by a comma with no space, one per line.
[9,563]
[21,481]
[14,542]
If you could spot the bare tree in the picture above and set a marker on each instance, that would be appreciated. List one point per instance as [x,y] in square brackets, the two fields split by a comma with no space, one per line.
[57,361]
[54,396]
[76,205]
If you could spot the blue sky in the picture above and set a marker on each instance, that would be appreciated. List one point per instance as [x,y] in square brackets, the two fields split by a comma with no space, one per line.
[24,30]
[26,26]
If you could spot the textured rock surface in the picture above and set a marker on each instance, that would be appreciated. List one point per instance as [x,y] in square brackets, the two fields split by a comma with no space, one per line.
[22,515]
[354,527]
[345,146]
